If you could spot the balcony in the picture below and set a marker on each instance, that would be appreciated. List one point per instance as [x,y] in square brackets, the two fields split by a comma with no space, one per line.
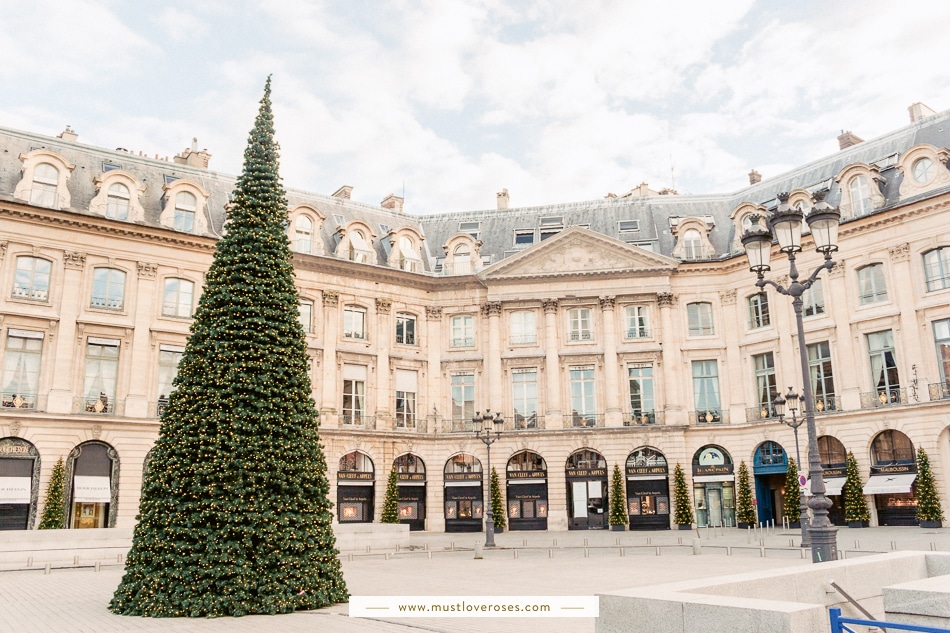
[634,333]
[643,418]
[410,425]
[585,420]
[468,341]
[827,404]
[101,406]
[21,401]
[580,335]
[457,425]
[939,390]
[709,417]
[761,413]
[358,421]
[106,303]
[157,408]
[883,398]
[530,422]
[523,339]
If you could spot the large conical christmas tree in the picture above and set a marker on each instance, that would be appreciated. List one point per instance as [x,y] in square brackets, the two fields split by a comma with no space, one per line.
[235,516]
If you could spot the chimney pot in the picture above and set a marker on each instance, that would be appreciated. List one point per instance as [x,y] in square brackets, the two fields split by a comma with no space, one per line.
[754,177]
[503,199]
[343,192]
[847,139]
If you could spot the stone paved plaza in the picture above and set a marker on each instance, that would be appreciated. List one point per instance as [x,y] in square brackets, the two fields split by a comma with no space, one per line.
[526,563]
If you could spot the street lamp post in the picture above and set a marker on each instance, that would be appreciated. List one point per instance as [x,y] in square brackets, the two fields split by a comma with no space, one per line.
[780,404]
[482,425]
[786,222]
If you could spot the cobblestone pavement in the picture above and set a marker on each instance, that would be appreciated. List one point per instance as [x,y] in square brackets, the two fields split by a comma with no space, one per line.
[525,563]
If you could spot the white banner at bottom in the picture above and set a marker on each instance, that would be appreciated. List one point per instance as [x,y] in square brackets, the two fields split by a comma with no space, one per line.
[474,607]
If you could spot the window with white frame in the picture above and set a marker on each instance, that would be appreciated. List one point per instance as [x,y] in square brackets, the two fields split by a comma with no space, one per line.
[942,342]
[583,404]
[883,360]
[524,237]
[822,378]
[303,235]
[871,287]
[108,288]
[813,300]
[523,328]
[185,207]
[354,394]
[699,317]
[579,327]
[169,356]
[706,386]
[101,373]
[360,248]
[765,390]
[406,389]
[21,368]
[462,260]
[178,298]
[937,268]
[758,310]
[118,202]
[463,397]
[640,382]
[463,331]
[524,395]
[692,244]
[354,322]
[923,170]
[32,278]
[45,182]
[406,329]
[305,315]
[860,195]
[638,321]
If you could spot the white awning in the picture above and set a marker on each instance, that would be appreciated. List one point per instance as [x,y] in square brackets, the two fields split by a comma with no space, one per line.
[833,486]
[15,489]
[89,489]
[889,484]
[698,479]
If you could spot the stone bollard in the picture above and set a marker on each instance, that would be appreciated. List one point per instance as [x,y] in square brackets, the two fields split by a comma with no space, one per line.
[623,552]
[349,558]
[75,560]
[29,561]
[479,547]
[515,554]
[46,570]
[550,553]
[429,555]
[697,547]
[97,566]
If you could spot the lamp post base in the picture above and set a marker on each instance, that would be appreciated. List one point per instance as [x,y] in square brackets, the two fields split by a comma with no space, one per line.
[489,532]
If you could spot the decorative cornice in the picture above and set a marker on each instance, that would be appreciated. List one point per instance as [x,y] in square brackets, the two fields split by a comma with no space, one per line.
[491,309]
[331,298]
[74,259]
[666,299]
[549,305]
[900,253]
[383,305]
[434,313]
[727,297]
[147,270]
[607,303]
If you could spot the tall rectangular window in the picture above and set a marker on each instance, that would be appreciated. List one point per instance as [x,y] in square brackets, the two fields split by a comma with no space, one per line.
[185,207]
[305,315]
[406,329]
[942,341]
[524,395]
[758,311]
[354,322]
[463,397]
[354,394]
[178,298]
[699,317]
[579,324]
[21,368]
[108,288]
[706,386]
[406,389]
[638,321]
[45,183]
[168,358]
[102,370]
[640,380]
[463,331]
[884,376]
[765,391]
[871,288]
[813,300]
[32,278]
[583,406]
[822,380]
[937,268]
[523,328]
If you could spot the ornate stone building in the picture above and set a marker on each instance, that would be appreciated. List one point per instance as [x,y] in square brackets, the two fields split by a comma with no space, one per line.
[626,330]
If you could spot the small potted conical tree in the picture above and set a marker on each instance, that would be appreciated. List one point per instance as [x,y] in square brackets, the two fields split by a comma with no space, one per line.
[793,496]
[391,502]
[54,511]
[683,513]
[856,511]
[497,503]
[745,509]
[618,502]
[929,511]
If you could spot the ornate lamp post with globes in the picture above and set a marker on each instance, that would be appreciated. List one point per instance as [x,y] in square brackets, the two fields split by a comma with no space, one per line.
[786,222]
[791,400]
[482,425]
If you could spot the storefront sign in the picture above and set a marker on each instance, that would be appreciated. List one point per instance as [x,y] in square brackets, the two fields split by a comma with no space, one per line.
[14,449]
[91,489]
[411,476]
[354,476]
[833,472]
[646,470]
[353,496]
[463,476]
[15,489]
[711,469]
[517,494]
[586,472]
[900,468]
[527,474]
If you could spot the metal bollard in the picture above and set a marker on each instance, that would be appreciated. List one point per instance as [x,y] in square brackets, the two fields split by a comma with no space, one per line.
[728,551]
[618,540]
[452,546]
[761,552]
[555,542]
[349,558]
[397,547]
[679,541]
[857,544]
[29,561]
[933,546]
[893,545]
[586,543]
[649,541]
[524,542]
[657,551]
[367,549]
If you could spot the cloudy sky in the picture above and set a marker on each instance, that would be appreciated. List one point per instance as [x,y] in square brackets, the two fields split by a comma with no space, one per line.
[449,102]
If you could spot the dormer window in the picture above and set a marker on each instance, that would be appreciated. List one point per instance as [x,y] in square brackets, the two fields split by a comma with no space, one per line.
[462,260]
[692,239]
[185,205]
[359,248]
[45,182]
[860,195]
[924,168]
[860,190]
[692,245]
[303,235]
[117,206]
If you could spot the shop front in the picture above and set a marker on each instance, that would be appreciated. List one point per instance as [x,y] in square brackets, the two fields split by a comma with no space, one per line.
[19,483]
[648,490]
[355,488]
[893,471]
[411,481]
[770,468]
[463,494]
[586,475]
[714,487]
[92,469]
[527,492]
[834,468]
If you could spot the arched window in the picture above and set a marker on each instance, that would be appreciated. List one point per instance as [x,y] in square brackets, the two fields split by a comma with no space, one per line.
[32,278]
[937,268]
[20,473]
[646,457]
[178,299]
[892,447]
[831,451]
[586,459]
[526,461]
[871,286]
[108,289]
[45,181]
[117,206]
[409,259]
[860,195]
[770,454]
[923,170]
[303,229]
[185,206]
[356,462]
[92,479]
[692,245]
[409,463]
[462,260]
[463,463]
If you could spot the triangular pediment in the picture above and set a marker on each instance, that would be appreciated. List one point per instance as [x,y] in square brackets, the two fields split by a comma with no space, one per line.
[579,251]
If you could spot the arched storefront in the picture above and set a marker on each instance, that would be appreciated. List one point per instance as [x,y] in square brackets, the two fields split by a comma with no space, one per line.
[355,487]
[714,487]
[527,492]
[92,470]
[834,469]
[893,471]
[411,480]
[464,492]
[586,474]
[648,490]
[770,467]
[19,483]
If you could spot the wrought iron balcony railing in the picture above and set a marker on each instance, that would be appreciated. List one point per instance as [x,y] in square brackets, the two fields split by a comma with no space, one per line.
[21,401]
[357,420]
[585,420]
[103,405]
[883,398]
[642,418]
[761,413]
[457,425]
[518,422]
[709,416]
[939,390]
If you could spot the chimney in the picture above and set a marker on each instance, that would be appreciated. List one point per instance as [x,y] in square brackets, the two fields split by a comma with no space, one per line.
[846,139]
[68,134]
[503,199]
[343,192]
[192,157]
[754,177]
[392,201]
[917,112]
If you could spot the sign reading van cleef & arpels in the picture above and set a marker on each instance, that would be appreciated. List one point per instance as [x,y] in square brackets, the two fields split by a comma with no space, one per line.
[354,476]
[633,471]
[527,474]
[463,476]
[410,477]
[572,473]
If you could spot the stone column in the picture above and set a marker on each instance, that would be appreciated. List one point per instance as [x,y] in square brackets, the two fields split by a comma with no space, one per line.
[553,414]
[136,403]
[495,400]
[331,331]
[437,410]
[612,398]
[908,339]
[383,337]
[670,338]
[845,355]
[68,341]
[733,400]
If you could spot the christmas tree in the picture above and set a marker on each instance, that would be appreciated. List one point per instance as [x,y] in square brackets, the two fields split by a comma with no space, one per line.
[618,500]
[497,503]
[928,502]
[745,510]
[684,507]
[54,510]
[391,502]
[793,493]
[855,505]
[235,517]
